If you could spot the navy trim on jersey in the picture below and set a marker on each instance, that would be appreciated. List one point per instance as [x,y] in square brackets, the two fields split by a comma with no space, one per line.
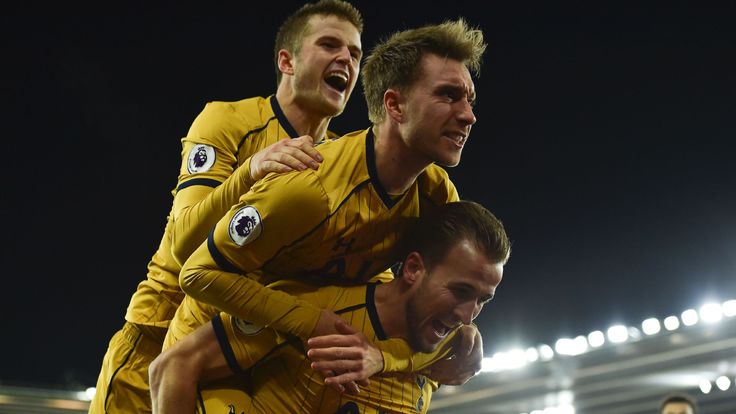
[227,351]
[307,234]
[247,134]
[282,118]
[350,308]
[219,257]
[370,159]
[208,182]
[370,303]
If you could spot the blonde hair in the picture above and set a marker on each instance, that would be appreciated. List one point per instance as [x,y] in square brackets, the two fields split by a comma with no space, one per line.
[394,63]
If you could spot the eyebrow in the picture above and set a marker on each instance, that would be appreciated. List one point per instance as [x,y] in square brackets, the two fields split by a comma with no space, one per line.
[353,48]
[450,86]
[468,286]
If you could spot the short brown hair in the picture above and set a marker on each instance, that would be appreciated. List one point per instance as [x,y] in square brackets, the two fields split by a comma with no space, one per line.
[290,34]
[679,398]
[437,232]
[394,63]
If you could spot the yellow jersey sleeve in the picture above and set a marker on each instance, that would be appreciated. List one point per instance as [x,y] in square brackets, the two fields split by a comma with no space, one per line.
[209,180]
[399,357]
[224,270]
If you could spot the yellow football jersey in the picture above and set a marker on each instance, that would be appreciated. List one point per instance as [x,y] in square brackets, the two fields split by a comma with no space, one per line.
[222,137]
[283,382]
[335,225]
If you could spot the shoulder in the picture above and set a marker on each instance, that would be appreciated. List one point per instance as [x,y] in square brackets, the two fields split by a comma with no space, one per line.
[344,166]
[435,184]
[230,120]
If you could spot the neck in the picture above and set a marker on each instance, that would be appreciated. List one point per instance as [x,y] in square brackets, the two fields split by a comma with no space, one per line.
[391,308]
[398,167]
[305,122]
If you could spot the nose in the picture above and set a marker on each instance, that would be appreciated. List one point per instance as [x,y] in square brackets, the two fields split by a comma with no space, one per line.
[465,113]
[467,311]
[343,56]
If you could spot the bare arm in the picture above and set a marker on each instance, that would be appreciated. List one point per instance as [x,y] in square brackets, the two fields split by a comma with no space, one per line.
[174,374]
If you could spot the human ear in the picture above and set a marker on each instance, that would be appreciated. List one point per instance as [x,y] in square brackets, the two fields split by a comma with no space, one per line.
[392,100]
[285,62]
[413,268]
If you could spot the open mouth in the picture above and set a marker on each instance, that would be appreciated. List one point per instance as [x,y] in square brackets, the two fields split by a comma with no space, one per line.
[458,139]
[440,329]
[337,81]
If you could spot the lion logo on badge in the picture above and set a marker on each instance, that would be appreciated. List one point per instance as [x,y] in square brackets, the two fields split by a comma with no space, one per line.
[245,226]
[246,328]
[201,158]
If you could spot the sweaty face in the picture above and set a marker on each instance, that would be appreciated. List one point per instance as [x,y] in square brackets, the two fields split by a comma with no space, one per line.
[437,111]
[677,408]
[451,294]
[326,68]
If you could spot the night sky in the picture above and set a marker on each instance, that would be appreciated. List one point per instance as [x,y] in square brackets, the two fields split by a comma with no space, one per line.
[604,142]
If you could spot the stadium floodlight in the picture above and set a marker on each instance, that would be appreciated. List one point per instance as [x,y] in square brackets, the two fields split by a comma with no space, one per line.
[564,346]
[723,382]
[689,317]
[618,334]
[671,323]
[705,386]
[89,393]
[532,355]
[545,352]
[515,358]
[651,326]
[566,409]
[596,339]
[711,312]
[729,308]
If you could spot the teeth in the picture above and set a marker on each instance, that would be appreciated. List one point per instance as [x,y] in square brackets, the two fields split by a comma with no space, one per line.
[340,75]
[337,79]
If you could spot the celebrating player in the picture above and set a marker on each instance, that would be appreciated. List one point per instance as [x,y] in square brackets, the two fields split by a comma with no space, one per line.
[229,146]
[454,265]
[339,224]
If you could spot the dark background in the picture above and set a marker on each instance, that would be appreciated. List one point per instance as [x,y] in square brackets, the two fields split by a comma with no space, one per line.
[604,142]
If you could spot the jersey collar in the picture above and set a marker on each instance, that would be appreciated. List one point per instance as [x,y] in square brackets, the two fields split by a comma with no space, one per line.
[370,159]
[282,118]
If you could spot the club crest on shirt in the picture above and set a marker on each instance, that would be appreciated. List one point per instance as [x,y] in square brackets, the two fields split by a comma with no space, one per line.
[245,226]
[201,158]
[245,327]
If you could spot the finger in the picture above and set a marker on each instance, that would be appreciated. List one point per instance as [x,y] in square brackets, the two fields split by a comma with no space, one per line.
[273,166]
[290,160]
[352,388]
[344,378]
[364,382]
[334,340]
[337,387]
[344,328]
[467,340]
[305,139]
[307,147]
[339,366]
[287,153]
[335,353]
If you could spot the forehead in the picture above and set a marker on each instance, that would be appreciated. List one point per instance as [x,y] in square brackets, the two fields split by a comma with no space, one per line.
[320,25]
[466,264]
[436,69]
[677,408]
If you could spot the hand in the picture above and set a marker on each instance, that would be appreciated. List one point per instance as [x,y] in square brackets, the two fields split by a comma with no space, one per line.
[347,358]
[466,361]
[284,156]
